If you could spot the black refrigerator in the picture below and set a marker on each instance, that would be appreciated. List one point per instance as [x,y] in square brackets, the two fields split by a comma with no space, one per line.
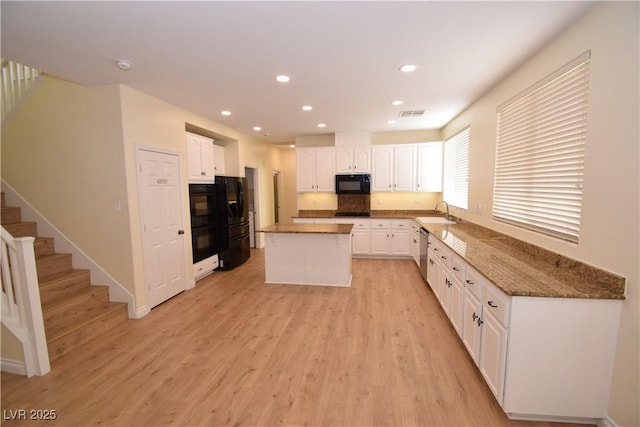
[232,212]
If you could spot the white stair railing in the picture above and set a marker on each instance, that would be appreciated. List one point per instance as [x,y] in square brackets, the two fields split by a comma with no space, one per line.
[21,308]
[16,79]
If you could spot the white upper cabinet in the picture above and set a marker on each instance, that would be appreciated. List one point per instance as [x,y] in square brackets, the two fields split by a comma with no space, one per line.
[430,161]
[315,169]
[394,167]
[200,158]
[382,168]
[404,167]
[218,160]
[353,159]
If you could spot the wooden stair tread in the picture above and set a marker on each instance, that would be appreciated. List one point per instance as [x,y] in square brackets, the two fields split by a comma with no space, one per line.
[85,293]
[22,229]
[53,278]
[102,312]
[75,312]
[55,263]
[10,215]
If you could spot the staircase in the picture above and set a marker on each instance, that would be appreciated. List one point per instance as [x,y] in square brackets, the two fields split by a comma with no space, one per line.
[75,312]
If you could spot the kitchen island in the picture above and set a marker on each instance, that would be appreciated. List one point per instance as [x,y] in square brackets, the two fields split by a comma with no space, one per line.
[308,254]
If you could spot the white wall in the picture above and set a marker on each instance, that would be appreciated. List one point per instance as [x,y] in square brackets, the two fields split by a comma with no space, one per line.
[609,236]
[151,122]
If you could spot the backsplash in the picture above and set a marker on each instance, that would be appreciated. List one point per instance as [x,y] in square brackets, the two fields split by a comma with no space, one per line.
[354,202]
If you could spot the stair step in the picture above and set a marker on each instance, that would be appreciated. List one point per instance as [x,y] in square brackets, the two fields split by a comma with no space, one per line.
[58,287]
[43,246]
[75,310]
[84,333]
[22,229]
[50,265]
[10,215]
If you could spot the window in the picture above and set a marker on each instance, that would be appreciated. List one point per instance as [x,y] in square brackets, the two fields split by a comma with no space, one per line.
[540,154]
[456,169]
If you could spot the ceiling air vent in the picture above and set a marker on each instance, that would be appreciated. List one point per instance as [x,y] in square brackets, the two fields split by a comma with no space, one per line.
[411,113]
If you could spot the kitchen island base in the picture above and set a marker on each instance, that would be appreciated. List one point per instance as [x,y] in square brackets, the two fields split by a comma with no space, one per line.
[308,257]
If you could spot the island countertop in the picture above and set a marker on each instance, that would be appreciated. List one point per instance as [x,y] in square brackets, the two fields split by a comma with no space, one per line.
[308,228]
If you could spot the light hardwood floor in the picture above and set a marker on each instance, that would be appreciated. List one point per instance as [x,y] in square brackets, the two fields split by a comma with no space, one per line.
[237,352]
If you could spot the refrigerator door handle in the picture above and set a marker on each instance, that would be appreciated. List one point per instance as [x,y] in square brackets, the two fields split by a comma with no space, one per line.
[240,199]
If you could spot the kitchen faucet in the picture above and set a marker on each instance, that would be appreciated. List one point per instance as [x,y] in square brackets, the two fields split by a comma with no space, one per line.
[446,215]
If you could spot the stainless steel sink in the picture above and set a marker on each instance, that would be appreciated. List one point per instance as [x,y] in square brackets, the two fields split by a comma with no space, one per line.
[434,220]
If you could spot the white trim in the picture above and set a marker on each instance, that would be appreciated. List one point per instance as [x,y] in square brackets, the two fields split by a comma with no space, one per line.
[13,366]
[552,419]
[117,293]
[140,312]
[607,422]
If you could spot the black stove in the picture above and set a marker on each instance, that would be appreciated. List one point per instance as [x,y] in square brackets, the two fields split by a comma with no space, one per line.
[353,214]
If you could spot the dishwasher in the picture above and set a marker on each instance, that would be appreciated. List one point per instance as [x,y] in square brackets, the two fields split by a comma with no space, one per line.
[424,245]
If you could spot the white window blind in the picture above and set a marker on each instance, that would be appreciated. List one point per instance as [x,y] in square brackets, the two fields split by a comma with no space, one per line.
[540,154]
[456,169]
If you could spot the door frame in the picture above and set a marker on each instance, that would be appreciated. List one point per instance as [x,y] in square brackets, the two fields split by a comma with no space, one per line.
[277,190]
[189,282]
[259,238]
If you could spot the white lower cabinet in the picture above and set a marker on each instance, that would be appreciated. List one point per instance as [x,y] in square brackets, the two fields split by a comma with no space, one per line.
[378,237]
[493,353]
[361,237]
[542,358]
[472,324]
[205,267]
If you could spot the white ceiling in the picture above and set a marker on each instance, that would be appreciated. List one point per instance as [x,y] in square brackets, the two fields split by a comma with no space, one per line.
[343,57]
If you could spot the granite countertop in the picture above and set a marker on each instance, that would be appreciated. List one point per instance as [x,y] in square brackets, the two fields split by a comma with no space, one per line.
[522,269]
[383,214]
[308,228]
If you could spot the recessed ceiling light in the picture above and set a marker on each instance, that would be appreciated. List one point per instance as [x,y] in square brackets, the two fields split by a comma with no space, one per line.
[257,128]
[292,145]
[307,108]
[322,125]
[124,64]
[408,68]
[391,122]
[225,113]
[396,102]
[282,78]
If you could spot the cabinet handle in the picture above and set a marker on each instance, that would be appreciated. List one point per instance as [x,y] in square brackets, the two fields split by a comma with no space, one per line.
[480,321]
[474,316]
[436,249]
[180,232]
[431,261]
[492,304]
[443,257]
[469,282]
[456,269]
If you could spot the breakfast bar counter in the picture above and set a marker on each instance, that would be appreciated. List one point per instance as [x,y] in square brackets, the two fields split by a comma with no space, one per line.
[308,254]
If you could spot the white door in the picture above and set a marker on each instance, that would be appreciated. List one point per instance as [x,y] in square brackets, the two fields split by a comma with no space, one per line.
[162,227]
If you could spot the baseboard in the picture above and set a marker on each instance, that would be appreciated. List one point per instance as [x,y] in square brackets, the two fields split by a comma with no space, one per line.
[117,293]
[139,312]
[606,422]
[13,367]
[553,418]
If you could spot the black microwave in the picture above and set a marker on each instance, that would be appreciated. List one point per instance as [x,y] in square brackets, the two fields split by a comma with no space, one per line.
[353,184]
